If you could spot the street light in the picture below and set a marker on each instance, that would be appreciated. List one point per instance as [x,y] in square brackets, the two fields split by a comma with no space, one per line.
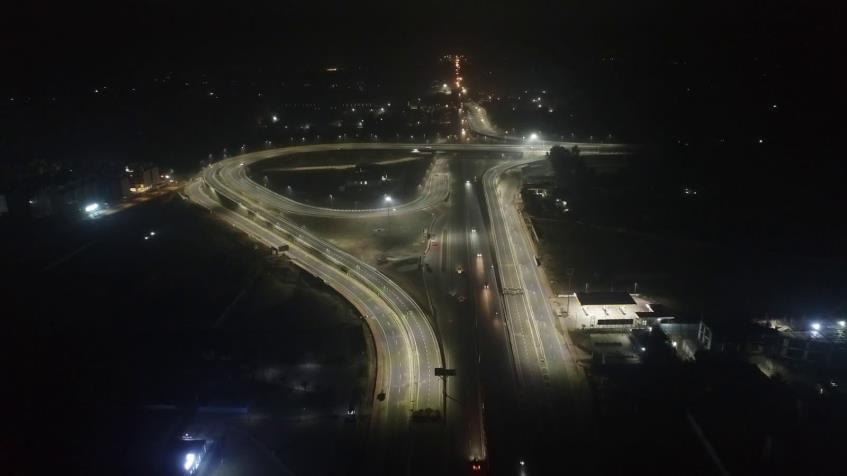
[388,201]
[189,461]
[533,137]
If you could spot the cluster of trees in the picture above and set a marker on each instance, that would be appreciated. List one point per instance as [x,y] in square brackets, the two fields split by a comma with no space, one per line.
[569,167]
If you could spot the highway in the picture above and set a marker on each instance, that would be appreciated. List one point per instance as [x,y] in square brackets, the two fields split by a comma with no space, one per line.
[552,389]
[406,345]
[477,340]
[479,122]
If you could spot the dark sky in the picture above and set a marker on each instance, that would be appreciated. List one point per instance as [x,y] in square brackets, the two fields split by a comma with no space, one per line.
[52,41]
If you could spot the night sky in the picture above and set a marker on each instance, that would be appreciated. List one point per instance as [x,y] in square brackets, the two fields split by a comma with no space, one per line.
[47,42]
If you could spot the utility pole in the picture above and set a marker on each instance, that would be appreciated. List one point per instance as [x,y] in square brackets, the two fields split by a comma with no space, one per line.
[388,202]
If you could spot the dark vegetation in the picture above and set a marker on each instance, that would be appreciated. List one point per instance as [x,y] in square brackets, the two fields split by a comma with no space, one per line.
[360,181]
[702,244]
[756,425]
[193,316]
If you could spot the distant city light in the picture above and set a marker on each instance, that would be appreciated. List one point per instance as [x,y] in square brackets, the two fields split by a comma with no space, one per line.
[274,119]
[533,136]
[92,207]
[842,323]
[816,326]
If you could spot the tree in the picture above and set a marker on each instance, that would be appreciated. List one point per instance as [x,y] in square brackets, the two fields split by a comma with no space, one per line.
[568,166]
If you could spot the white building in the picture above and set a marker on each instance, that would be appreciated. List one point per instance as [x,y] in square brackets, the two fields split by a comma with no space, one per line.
[616,310]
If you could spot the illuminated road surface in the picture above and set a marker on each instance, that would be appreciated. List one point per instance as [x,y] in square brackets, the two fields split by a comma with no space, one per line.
[407,349]
[479,122]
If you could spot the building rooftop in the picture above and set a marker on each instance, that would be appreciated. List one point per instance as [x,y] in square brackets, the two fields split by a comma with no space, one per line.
[738,329]
[604,298]
[825,335]
[657,311]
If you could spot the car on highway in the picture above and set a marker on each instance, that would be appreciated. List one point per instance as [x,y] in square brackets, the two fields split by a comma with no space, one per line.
[460,269]
[485,285]
[479,255]
[473,230]
[476,466]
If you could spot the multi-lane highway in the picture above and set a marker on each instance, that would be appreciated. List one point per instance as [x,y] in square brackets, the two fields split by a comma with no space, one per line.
[477,119]
[406,345]
[525,346]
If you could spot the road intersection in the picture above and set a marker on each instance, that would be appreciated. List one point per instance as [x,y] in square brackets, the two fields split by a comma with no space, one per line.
[408,349]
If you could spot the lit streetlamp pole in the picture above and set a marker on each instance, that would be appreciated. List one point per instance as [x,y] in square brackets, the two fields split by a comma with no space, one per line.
[388,202]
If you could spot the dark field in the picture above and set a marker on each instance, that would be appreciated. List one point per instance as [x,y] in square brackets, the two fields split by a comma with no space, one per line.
[710,240]
[694,278]
[330,176]
[193,316]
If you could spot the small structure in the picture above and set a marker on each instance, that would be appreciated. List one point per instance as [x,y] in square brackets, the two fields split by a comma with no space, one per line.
[188,453]
[655,314]
[824,343]
[618,310]
[740,336]
[139,177]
